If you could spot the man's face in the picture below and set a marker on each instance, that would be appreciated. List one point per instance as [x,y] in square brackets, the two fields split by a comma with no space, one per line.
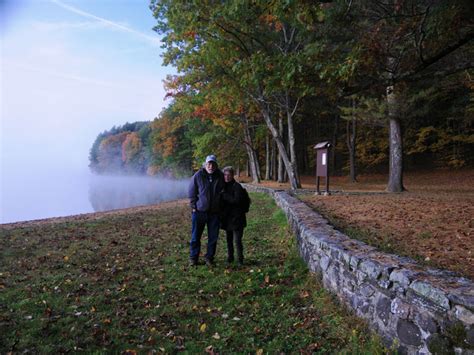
[228,176]
[210,167]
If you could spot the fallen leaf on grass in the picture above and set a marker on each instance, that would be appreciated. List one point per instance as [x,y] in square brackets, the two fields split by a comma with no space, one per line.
[202,327]
[216,336]
[259,352]
[304,294]
[170,334]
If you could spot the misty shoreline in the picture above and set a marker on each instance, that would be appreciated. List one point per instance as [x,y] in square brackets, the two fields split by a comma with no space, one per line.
[53,194]
[110,192]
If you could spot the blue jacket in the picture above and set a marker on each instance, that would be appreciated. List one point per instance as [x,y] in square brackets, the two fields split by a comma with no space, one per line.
[203,194]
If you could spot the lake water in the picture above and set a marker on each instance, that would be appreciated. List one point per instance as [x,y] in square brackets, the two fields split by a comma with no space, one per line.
[37,196]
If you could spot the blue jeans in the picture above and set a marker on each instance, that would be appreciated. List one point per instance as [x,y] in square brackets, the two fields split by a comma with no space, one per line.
[199,221]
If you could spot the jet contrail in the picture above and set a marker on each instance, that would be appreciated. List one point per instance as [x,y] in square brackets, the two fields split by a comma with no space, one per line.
[75,10]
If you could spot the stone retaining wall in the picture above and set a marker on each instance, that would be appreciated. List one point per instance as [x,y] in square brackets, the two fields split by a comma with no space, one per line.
[419,309]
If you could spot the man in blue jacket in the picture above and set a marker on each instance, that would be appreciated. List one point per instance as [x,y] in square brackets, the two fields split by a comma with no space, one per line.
[204,189]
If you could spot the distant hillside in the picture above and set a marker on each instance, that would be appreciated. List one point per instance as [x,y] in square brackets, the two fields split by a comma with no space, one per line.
[121,149]
[157,147]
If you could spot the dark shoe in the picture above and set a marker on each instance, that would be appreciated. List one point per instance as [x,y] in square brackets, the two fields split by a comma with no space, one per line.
[209,263]
[193,262]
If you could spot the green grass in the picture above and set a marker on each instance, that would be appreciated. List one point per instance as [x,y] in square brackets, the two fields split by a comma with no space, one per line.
[122,283]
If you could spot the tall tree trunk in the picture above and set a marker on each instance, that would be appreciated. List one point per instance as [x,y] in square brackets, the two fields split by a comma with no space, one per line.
[332,165]
[267,157]
[294,183]
[274,161]
[350,141]
[351,144]
[281,167]
[252,170]
[253,162]
[255,155]
[291,136]
[395,181]
[258,170]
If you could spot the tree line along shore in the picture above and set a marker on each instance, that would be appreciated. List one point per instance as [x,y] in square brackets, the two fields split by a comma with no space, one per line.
[260,83]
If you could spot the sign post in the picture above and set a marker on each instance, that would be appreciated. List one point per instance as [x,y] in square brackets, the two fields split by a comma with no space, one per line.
[322,160]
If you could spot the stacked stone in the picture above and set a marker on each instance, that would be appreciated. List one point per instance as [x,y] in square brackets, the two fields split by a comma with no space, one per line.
[416,309]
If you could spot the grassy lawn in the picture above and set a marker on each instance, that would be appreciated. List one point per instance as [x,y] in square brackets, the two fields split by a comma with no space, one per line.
[121,283]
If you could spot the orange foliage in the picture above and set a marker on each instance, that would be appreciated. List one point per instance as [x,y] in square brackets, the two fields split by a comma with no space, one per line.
[109,155]
[190,34]
[272,21]
[131,146]
[166,144]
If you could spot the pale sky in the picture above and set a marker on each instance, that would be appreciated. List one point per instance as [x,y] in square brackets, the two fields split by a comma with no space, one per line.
[69,70]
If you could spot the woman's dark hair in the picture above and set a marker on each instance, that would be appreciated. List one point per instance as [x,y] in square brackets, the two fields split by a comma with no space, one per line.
[229,169]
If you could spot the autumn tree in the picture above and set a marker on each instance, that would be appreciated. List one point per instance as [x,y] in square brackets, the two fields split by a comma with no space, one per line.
[258,46]
[396,43]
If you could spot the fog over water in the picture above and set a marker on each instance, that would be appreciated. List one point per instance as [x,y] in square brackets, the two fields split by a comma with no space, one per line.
[41,194]
[69,70]
[47,194]
[112,192]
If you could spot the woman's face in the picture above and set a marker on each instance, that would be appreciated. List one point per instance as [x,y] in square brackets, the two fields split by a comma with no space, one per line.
[228,176]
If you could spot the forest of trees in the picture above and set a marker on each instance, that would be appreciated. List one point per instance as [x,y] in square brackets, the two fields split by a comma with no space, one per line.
[389,83]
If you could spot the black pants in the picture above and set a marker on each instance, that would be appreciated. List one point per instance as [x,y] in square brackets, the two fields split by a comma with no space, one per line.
[236,236]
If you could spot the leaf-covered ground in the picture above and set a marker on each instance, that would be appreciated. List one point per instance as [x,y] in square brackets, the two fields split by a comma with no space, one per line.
[432,222]
[119,282]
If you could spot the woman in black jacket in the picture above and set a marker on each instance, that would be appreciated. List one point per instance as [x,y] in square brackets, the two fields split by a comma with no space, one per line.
[233,220]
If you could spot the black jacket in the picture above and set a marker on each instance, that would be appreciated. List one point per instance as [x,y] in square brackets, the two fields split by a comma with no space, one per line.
[204,194]
[233,215]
